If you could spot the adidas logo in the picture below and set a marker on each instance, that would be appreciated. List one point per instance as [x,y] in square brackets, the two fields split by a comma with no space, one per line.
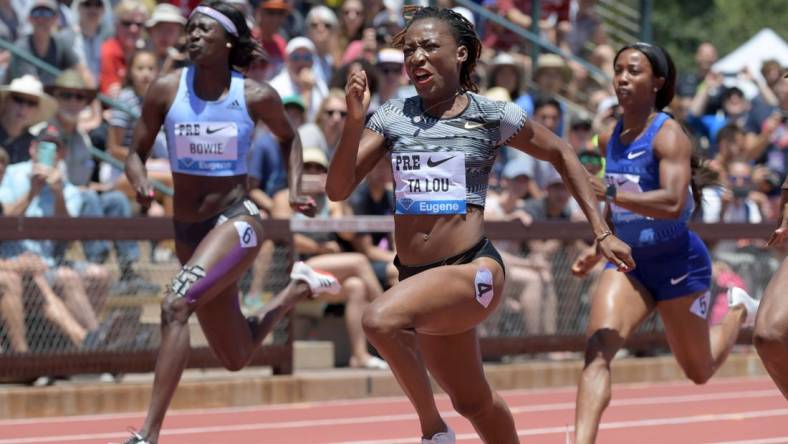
[325,282]
[236,105]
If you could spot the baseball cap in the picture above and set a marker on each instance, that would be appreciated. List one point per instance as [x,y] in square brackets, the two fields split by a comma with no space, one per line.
[275,4]
[165,13]
[49,4]
[391,55]
[315,155]
[298,43]
[294,99]
[516,168]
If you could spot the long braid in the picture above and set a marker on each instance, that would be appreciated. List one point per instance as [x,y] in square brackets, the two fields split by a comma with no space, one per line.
[462,30]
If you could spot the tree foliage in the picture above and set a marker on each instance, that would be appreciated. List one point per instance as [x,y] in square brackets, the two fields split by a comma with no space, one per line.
[681,25]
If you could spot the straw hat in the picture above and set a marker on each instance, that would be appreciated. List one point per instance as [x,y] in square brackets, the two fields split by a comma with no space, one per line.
[315,155]
[553,61]
[166,13]
[71,80]
[30,86]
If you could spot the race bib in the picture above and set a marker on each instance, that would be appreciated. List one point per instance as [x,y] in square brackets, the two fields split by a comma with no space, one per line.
[429,182]
[206,146]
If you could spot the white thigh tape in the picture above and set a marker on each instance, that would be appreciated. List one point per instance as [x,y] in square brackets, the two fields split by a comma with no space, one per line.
[246,234]
[484,287]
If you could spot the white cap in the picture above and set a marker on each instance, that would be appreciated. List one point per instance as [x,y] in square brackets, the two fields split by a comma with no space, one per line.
[166,13]
[298,43]
[391,55]
[465,12]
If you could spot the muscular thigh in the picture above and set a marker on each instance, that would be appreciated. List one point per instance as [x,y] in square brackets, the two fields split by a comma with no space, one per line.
[220,258]
[773,311]
[222,321]
[620,303]
[455,363]
[686,327]
[443,300]
[341,265]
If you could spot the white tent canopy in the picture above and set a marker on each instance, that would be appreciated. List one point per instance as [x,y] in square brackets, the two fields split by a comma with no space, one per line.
[764,45]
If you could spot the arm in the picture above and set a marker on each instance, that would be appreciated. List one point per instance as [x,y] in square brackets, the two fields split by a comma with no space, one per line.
[265,105]
[359,149]
[756,143]
[154,107]
[782,219]
[536,140]
[673,149]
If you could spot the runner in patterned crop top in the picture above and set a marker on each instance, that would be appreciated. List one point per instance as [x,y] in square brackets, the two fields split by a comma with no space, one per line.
[209,112]
[442,144]
[771,324]
[650,192]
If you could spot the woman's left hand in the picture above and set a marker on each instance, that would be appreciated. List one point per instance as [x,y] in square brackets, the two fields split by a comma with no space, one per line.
[303,204]
[617,252]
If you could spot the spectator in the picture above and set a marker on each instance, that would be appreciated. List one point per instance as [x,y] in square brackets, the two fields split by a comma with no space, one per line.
[130,17]
[360,286]
[331,117]
[737,202]
[166,35]
[88,34]
[23,103]
[705,57]
[551,76]
[322,26]
[505,72]
[43,44]
[767,139]
[587,28]
[299,76]
[270,16]
[38,188]
[10,26]
[389,66]
[351,29]
[730,147]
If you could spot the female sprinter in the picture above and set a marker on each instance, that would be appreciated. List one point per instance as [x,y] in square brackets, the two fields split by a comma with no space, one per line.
[650,197]
[771,324]
[442,144]
[209,112]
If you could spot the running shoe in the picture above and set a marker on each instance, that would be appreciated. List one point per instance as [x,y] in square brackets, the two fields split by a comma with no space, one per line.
[737,296]
[136,438]
[446,437]
[318,281]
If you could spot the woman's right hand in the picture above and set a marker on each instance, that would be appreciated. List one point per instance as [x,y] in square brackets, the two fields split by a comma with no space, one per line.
[587,259]
[145,193]
[357,95]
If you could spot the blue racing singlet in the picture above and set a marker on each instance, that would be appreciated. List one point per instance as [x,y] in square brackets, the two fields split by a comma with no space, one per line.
[634,168]
[209,138]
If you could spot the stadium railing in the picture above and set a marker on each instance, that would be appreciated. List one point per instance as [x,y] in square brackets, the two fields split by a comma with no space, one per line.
[133,344]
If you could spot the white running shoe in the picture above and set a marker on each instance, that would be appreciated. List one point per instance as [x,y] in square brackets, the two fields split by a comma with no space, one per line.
[318,281]
[738,296]
[446,437]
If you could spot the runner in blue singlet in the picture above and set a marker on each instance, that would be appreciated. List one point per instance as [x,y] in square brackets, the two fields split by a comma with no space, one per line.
[649,192]
[442,145]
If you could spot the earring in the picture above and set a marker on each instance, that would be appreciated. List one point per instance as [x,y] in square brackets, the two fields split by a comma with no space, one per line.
[229,45]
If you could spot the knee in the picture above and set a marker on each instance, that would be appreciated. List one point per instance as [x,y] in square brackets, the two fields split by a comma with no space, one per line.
[67,277]
[10,283]
[769,335]
[354,288]
[602,346]
[97,273]
[174,309]
[116,204]
[699,376]
[472,407]
[233,363]
[378,321]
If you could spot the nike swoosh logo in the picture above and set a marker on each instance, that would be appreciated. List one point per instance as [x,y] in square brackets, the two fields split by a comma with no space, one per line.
[631,156]
[432,164]
[674,281]
[210,130]
[473,125]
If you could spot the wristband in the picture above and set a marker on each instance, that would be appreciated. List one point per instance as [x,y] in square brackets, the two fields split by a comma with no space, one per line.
[603,236]
[610,193]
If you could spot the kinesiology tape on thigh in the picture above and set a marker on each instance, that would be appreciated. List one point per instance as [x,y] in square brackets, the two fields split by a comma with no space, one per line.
[484,286]
[247,239]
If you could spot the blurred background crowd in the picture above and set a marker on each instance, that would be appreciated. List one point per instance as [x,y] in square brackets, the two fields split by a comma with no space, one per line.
[61,147]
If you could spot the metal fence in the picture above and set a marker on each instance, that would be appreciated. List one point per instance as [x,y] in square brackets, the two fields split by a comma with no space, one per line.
[543,311]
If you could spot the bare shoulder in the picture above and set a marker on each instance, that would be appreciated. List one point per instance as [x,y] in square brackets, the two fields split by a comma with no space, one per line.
[259,92]
[163,89]
[672,140]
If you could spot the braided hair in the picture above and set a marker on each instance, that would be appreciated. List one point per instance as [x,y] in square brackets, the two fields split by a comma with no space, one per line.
[462,30]
[245,50]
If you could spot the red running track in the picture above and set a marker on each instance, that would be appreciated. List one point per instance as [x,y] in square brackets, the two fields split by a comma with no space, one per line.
[723,411]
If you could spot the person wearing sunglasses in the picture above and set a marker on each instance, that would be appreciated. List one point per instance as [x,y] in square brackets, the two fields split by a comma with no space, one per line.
[86,35]
[322,29]
[130,18]
[299,76]
[42,43]
[23,103]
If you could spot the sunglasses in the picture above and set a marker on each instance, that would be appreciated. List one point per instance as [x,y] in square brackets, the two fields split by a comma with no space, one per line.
[390,70]
[130,23]
[42,13]
[591,160]
[92,4]
[332,112]
[315,25]
[742,179]
[275,11]
[351,12]
[300,57]
[65,95]
[21,100]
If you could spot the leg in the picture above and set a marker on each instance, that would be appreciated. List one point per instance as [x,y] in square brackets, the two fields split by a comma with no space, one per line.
[439,301]
[75,297]
[530,296]
[619,305]
[699,350]
[468,389]
[212,269]
[116,204]
[356,302]
[96,251]
[57,312]
[12,310]
[771,329]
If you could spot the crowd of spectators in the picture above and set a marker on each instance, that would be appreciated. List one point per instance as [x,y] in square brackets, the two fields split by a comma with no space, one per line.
[117,48]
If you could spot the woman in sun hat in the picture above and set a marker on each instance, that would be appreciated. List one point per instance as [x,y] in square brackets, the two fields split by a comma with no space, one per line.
[23,103]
